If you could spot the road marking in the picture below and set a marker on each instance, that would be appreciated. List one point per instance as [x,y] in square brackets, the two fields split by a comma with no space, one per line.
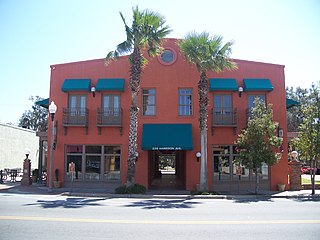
[164,222]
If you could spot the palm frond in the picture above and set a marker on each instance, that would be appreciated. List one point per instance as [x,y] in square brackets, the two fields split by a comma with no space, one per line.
[124,48]
[111,56]
[206,52]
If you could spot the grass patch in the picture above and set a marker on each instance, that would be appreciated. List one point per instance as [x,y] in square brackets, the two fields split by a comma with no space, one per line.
[134,189]
[306,181]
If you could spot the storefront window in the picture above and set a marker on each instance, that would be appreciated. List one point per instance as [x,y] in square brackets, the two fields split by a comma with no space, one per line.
[112,167]
[222,167]
[77,160]
[93,149]
[112,150]
[74,149]
[93,163]
[93,167]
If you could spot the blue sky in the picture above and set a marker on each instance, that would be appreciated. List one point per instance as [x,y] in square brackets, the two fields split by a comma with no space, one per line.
[36,34]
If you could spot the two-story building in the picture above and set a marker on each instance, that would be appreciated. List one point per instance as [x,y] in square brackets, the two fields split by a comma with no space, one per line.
[92,119]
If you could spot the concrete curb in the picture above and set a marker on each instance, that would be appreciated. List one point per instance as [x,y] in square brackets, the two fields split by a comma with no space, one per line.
[42,190]
[173,196]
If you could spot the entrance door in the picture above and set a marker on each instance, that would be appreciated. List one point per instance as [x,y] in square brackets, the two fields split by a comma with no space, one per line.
[167,169]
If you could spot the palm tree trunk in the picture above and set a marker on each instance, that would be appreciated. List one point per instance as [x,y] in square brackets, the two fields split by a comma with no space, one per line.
[135,74]
[203,88]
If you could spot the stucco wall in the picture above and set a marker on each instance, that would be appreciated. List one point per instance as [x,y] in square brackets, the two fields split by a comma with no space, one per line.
[13,142]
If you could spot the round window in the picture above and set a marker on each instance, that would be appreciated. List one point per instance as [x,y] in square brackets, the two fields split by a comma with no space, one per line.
[167,57]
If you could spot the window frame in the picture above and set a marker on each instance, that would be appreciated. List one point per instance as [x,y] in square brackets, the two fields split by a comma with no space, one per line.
[186,107]
[82,174]
[145,105]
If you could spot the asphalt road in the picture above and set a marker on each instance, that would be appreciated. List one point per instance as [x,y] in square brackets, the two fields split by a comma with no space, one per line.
[24,216]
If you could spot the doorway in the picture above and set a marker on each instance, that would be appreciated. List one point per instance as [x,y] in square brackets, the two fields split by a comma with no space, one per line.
[167,169]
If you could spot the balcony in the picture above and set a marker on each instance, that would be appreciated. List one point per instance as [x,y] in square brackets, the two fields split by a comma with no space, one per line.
[109,117]
[75,117]
[224,117]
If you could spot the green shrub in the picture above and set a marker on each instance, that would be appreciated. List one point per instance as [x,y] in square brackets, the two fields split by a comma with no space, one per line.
[203,193]
[134,189]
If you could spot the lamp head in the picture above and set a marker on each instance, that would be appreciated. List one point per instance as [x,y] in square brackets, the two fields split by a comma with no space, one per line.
[27,152]
[52,108]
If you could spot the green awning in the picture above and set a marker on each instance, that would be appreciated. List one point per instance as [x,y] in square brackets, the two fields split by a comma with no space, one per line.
[290,103]
[227,84]
[167,137]
[73,85]
[257,84]
[110,84]
[43,103]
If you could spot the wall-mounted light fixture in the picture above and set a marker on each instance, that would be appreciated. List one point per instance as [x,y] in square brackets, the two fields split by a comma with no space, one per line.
[280,132]
[93,90]
[198,155]
[240,91]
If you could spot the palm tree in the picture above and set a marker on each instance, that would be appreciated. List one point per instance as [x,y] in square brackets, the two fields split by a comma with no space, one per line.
[146,33]
[207,53]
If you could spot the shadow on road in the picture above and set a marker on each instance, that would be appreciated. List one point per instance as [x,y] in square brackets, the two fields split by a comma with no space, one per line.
[307,199]
[164,204]
[255,199]
[68,203]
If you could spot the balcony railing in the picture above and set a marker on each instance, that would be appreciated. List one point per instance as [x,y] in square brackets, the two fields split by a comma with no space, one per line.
[75,117]
[109,117]
[224,117]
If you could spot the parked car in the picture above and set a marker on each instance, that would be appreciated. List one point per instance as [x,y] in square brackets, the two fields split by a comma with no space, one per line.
[308,170]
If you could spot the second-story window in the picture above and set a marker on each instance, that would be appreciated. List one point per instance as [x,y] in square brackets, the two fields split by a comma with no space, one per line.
[185,102]
[111,105]
[222,111]
[149,102]
[77,105]
[251,100]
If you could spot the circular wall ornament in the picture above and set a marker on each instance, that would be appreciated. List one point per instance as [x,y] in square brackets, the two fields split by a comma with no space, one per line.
[168,57]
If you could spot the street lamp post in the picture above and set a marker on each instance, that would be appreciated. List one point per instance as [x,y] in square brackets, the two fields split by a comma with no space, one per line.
[52,111]
[26,179]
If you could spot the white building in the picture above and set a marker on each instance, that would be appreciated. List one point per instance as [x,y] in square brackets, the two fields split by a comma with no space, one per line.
[13,142]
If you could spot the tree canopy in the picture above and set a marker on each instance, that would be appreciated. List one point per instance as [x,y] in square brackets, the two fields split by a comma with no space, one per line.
[35,118]
[309,132]
[305,97]
[259,143]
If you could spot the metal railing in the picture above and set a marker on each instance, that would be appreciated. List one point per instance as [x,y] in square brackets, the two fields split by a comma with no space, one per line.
[75,117]
[109,117]
[224,117]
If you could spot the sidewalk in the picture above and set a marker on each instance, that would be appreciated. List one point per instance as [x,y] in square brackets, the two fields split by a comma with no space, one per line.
[17,188]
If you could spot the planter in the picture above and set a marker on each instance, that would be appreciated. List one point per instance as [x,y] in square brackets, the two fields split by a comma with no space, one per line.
[281,187]
[56,184]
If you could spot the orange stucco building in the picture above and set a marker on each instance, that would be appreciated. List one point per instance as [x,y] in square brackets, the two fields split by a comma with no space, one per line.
[92,122]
